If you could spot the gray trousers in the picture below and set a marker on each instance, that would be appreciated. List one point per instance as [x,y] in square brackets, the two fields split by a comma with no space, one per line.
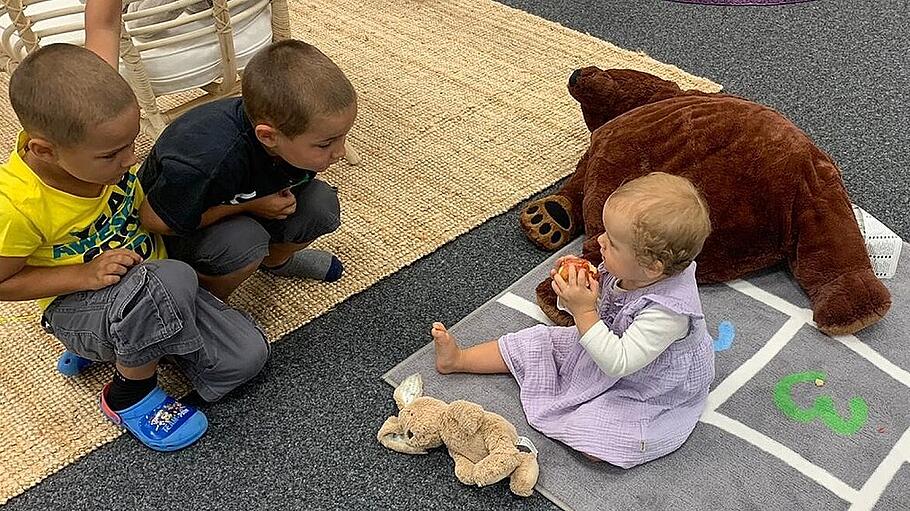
[236,242]
[158,309]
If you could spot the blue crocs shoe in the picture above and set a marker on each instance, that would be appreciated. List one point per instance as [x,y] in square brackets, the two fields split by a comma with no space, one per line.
[159,421]
[69,364]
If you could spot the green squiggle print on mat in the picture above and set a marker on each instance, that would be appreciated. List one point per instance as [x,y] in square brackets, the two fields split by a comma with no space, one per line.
[823,407]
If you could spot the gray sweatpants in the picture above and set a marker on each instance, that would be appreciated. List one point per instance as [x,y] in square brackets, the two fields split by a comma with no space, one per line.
[158,309]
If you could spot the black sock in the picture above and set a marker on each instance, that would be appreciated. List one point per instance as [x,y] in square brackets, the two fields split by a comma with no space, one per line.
[124,393]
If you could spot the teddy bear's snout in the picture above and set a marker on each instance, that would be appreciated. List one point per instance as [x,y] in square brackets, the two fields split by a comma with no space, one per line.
[573,79]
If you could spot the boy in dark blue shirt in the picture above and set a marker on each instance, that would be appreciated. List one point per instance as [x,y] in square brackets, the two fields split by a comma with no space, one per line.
[231,184]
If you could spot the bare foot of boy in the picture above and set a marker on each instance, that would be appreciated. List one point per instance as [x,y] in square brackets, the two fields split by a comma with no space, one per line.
[447,350]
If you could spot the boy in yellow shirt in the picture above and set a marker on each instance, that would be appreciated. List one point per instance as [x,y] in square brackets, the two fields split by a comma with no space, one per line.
[70,237]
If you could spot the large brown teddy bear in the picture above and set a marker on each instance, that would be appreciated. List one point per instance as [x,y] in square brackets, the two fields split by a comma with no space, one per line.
[773,195]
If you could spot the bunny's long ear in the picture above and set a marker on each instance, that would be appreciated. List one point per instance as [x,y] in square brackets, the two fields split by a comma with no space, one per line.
[409,390]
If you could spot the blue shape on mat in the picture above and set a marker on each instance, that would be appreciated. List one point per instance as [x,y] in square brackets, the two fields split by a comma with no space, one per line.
[70,364]
[725,334]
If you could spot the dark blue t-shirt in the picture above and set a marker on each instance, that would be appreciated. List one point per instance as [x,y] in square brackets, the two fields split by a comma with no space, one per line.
[209,156]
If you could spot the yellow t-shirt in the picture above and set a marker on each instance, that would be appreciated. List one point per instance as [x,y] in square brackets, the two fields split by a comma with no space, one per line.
[54,228]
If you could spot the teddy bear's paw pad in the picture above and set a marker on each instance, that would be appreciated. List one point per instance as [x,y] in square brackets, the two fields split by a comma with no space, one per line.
[395,438]
[548,222]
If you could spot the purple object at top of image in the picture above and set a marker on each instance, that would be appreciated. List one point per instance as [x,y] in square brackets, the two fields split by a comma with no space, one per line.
[741,2]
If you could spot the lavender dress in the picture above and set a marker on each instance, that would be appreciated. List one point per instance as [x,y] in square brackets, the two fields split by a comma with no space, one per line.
[625,421]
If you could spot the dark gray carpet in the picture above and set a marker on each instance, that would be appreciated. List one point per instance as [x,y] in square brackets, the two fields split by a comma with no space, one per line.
[303,434]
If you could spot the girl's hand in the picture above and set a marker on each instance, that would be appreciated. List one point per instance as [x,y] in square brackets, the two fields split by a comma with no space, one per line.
[579,292]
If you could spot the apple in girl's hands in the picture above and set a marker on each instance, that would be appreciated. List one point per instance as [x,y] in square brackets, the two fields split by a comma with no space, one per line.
[575,282]
[581,265]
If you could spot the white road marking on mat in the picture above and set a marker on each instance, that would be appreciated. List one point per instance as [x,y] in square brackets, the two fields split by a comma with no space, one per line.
[525,307]
[772,300]
[850,341]
[751,367]
[884,473]
[864,350]
[784,453]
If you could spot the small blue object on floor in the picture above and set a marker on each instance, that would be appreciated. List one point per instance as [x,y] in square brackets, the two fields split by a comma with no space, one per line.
[726,332]
[69,364]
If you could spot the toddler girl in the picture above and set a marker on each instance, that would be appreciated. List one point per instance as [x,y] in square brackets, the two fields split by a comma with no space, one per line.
[629,381]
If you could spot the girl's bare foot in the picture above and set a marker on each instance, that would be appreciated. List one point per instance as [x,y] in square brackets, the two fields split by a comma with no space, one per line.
[447,350]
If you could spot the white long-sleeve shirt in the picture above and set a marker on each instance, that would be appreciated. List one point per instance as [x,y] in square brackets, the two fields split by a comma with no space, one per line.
[651,332]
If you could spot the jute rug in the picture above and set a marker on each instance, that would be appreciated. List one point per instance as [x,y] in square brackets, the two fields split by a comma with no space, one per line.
[463,113]
[795,419]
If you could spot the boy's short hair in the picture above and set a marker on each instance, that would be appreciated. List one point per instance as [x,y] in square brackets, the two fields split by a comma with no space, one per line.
[59,92]
[289,82]
[670,219]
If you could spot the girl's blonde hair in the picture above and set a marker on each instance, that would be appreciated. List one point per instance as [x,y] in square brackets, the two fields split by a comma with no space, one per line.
[669,219]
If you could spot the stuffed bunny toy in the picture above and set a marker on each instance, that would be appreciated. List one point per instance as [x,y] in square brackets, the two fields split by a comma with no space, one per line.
[483,444]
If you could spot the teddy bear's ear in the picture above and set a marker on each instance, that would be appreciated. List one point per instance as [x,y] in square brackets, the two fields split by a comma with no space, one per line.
[464,414]
[408,390]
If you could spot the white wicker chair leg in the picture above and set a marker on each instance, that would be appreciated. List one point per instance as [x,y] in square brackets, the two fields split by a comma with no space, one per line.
[281,20]
[154,121]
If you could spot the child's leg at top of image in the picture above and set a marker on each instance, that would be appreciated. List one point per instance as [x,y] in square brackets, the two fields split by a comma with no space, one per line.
[484,358]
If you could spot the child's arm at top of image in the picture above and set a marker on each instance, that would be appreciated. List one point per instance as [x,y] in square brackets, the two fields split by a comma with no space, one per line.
[102,29]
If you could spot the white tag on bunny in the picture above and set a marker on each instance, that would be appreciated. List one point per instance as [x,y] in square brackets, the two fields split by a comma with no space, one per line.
[525,444]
